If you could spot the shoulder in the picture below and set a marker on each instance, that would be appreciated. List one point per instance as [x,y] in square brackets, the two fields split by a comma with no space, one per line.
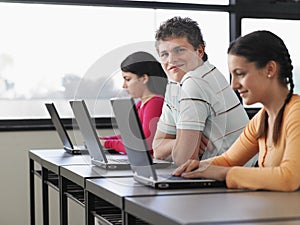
[293,107]
[295,101]
[205,76]
[155,100]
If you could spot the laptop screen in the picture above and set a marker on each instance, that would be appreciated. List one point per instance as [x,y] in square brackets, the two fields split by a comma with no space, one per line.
[87,129]
[133,136]
[59,126]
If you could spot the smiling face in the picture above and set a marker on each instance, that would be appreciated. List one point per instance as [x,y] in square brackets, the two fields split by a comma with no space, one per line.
[247,79]
[178,57]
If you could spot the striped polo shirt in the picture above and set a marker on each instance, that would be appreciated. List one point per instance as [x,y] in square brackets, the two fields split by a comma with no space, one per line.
[204,101]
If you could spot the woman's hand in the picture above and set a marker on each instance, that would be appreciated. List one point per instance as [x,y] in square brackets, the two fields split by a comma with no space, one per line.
[102,141]
[189,166]
[201,169]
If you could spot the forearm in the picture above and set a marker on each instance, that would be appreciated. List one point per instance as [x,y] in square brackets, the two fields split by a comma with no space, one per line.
[163,145]
[182,153]
[164,149]
[117,145]
[112,137]
[187,146]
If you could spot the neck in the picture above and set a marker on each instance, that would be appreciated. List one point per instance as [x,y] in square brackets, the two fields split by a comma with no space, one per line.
[147,97]
[275,102]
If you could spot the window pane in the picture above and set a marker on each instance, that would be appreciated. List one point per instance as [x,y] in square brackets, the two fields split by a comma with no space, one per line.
[61,52]
[285,29]
[47,50]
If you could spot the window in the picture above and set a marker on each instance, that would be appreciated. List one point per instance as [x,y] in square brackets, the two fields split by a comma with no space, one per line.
[61,52]
[285,29]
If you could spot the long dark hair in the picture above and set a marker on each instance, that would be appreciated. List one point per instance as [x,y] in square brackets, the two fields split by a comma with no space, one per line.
[261,47]
[141,63]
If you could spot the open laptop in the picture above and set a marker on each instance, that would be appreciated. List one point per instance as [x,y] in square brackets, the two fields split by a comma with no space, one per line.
[62,132]
[90,136]
[139,155]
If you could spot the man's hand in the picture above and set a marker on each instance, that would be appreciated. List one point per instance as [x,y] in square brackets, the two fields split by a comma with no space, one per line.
[205,145]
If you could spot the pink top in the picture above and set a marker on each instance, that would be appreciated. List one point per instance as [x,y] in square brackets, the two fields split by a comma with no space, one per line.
[149,114]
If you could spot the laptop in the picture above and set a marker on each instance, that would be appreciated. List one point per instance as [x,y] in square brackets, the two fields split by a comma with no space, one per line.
[139,154]
[90,136]
[62,132]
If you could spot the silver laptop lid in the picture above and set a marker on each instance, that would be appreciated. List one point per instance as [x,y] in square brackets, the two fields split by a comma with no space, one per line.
[133,137]
[62,133]
[88,130]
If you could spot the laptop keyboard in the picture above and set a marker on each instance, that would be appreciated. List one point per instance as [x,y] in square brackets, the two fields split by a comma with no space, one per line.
[170,177]
[119,160]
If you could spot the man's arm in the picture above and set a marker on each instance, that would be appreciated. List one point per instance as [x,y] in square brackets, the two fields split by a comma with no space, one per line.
[187,146]
[163,144]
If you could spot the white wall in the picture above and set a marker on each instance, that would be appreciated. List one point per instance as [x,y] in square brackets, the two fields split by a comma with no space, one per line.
[14,178]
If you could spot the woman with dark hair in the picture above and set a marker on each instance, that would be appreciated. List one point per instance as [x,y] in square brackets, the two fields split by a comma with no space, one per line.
[144,79]
[261,71]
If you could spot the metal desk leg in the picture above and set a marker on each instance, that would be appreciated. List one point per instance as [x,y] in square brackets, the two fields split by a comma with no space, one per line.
[63,201]
[128,219]
[89,200]
[45,197]
[32,192]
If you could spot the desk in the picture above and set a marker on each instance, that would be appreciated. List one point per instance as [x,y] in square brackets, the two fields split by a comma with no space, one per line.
[285,222]
[50,160]
[127,202]
[261,207]
[73,183]
[105,197]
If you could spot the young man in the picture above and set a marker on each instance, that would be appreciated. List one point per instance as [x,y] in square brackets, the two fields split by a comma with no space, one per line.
[198,101]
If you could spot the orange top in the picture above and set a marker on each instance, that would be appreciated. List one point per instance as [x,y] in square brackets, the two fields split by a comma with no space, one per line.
[279,165]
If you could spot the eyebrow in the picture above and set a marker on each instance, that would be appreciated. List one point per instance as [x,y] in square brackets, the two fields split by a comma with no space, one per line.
[175,48]
[238,69]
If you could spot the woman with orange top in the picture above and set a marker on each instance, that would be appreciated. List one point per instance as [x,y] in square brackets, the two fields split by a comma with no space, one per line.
[261,71]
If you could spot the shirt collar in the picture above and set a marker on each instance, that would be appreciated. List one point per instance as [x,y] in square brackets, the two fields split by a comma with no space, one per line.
[199,71]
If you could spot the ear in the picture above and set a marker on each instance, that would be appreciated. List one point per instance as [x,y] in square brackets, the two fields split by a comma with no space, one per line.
[200,51]
[271,69]
[144,78]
